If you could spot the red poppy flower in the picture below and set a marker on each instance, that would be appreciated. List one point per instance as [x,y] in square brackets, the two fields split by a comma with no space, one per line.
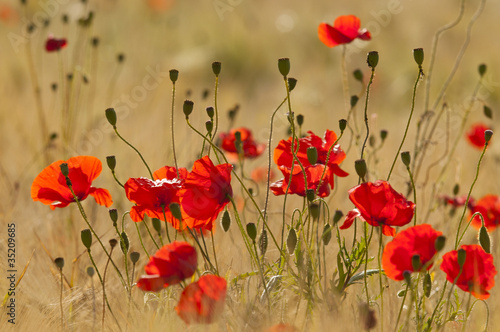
[50,187]
[170,265]
[283,157]
[475,135]
[457,201]
[202,301]
[313,175]
[379,205]
[251,149]
[478,272]
[206,191]
[52,44]
[282,328]
[345,29]
[489,207]
[152,197]
[418,240]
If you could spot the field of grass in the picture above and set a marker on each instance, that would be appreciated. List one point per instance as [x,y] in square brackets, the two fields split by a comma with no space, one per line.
[52,107]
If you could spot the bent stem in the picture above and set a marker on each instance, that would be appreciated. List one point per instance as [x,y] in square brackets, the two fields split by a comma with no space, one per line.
[366,111]
[140,155]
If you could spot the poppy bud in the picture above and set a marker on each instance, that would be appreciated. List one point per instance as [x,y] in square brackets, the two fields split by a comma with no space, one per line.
[113,214]
[358,75]
[383,134]
[406,158]
[342,124]
[327,234]
[111,161]
[312,155]
[354,100]
[292,82]
[113,243]
[90,271]
[64,169]
[175,209]
[427,285]
[225,221]
[440,242]
[252,231]
[291,240]
[337,216]
[310,194]
[59,261]
[418,55]
[95,41]
[456,188]
[111,116]
[484,239]
[487,112]
[30,28]
[210,112]
[407,276]
[372,59]
[284,66]
[300,119]
[174,75]
[416,263]
[371,141]
[65,18]
[314,209]
[461,256]
[237,142]
[487,135]
[187,108]
[124,243]
[53,86]
[120,57]
[216,67]
[263,242]
[360,166]
[482,69]
[86,236]
[209,125]
[134,256]
[157,225]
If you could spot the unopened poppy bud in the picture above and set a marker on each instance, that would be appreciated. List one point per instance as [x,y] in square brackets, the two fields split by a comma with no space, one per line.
[156,225]
[416,263]
[312,155]
[52,136]
[111,116]
[175,209]
[95,41]
[292,82]
[372,59]
[314,209]
[65,18]
[30,28]
[113,243]
[204,94]
[187,108]
[372,141]
[225,221]
[383,134]
[354,100]
[53,86]
[209,125]
[291,240]
[59,261]
[482,69]
[358,75]
[124,243]
[487,135]
[310,195]
[487,112]
[174,75]
[134,256]
[210,112]
[216,67]
[86,236]
[360,166]
[418,55]
[484,239]
[120,57]
[337,216]
[406,158]
[461,256]
[64,169]
[427,285]
[456,189]
[252,231]
[407,277]
[327,234]
[111,161]
[237,142]
[439,243]
[263,242]
[342,124]
[300,119]
[113,214]
[90,271]
[284,66]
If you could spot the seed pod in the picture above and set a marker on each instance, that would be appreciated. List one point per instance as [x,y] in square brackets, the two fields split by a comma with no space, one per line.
[111,161]
[312,155]
[59,261]
[418,55]
[111,116]
[372,59]
[174,74]
[284,66]
[134,256]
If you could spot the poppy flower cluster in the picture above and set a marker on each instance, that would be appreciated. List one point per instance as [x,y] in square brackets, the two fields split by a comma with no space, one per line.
[345,29]
[475,135]
[251,149]
[52,44]
[379,204]
[50,186]
[319,176]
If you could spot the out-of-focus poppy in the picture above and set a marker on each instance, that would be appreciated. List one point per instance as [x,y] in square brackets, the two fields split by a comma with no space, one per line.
[345,29]
[478,272]
[259,174]
[206,191]
[52,44]
[50,187]
[475,135]
[457,201]
[160,5]
[202,301]
[297,186]
[398,253]
[379,204]
[282,327]
[170,265]
[489,207]
[251,149]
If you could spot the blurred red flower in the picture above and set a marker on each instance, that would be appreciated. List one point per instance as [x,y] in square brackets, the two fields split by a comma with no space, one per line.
[153,196]
[418,240]
[50,187]
[206,191]
[251,149]
[379,205]
[345,29]
[52,44]
[171,264]
[202,301]
[475,135]
[282,327]
[259,174]
[489,207]
[457,201]
[478,273]
[283,157]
